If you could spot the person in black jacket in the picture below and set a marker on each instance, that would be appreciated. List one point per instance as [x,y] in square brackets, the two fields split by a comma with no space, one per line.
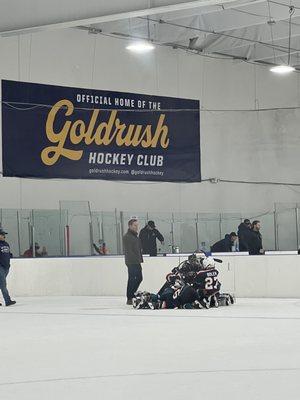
[133,259]
[255,239]
[5,256]
[244,232]
[148,236]
[224,245]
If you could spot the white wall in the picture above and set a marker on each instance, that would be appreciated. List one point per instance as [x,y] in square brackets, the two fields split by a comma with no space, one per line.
[246,276]
[235,145]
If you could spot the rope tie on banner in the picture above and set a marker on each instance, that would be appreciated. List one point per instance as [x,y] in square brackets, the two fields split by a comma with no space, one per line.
[32,106]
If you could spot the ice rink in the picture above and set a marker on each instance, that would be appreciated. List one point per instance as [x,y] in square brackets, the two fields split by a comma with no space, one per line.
[97,348]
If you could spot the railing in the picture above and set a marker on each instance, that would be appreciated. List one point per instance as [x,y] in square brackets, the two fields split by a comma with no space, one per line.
[72,230]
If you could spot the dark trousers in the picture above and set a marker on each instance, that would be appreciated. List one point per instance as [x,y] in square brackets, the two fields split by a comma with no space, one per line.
[135,278]
[3,285]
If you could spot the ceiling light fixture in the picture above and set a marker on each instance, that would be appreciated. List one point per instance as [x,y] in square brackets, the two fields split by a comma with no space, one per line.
[286,69]
[282,69]
[140,47]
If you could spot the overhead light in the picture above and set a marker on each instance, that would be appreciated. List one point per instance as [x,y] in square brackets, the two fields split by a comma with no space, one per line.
[140,47]
[282,69]
[285,68]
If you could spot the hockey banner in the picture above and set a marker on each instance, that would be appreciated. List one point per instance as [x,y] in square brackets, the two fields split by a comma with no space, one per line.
[63,132]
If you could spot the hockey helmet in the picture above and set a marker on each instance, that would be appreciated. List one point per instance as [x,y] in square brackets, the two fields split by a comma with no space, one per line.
[208,263]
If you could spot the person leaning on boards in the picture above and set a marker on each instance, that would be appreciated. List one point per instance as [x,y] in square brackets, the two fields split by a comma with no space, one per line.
[225,245]
[133,259]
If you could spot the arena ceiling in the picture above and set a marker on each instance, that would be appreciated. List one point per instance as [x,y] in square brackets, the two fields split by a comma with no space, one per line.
[253,31]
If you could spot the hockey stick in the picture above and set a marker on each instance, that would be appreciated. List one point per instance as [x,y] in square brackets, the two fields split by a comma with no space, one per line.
[218,260]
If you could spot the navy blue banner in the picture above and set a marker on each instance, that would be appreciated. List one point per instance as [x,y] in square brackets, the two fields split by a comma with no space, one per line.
[62,132]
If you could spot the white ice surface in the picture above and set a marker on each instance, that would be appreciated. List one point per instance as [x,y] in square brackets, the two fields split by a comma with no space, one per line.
[97,348]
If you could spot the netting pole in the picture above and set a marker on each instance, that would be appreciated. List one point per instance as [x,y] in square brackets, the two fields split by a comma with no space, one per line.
[276,231]
[297,227]
[67,240]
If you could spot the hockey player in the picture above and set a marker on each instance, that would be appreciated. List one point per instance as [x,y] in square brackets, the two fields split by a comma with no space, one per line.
[181,286]
[193,283]
[207,283]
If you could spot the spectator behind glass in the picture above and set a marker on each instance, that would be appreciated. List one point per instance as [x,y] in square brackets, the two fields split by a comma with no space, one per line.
[255,241]
[244,231]
[225,245]
[38,251]
[101,249]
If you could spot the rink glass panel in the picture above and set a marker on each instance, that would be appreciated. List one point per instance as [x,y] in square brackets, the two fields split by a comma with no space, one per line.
[286,226]
[9,222]
[186,232]
[79,221]
[48,231]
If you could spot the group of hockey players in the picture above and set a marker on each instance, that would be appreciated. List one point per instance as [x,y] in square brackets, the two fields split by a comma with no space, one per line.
[193,284]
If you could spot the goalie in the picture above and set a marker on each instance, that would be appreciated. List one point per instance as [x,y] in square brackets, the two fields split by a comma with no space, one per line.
[192,284]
